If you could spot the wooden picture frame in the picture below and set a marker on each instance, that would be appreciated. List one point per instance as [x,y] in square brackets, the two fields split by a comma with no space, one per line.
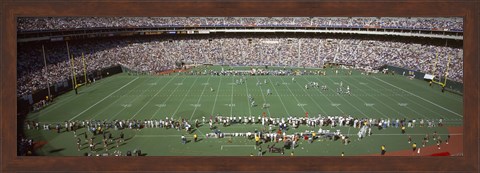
[10,10]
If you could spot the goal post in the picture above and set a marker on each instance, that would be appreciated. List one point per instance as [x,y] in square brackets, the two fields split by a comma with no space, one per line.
[443,82]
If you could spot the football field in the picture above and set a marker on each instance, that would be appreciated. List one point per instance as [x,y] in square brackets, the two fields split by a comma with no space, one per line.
[180,96]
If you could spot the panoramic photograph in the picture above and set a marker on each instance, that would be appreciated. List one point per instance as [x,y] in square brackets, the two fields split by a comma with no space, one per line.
[240,86]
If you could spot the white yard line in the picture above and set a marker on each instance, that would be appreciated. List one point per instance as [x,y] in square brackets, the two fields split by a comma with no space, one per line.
[421,105]
[114,103]
[69,99]
[231,100]
[265,100]
[168,98]
[248,103]
[379,101]
[151,98]
[170,95]
[345,100]
[304,90]
[420,85]
[198,129]
[200,98]
[286,110]
[419,97]
[298,102]
[125,107]
[102,99]
[179,105]
[364,102]
[418,113]
[215,102]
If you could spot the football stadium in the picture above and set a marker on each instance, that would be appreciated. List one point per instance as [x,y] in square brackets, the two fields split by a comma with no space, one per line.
[240,86]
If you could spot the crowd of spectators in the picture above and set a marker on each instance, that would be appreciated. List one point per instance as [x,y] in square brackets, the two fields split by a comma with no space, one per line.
[273,129]
[69,23]
[155,54]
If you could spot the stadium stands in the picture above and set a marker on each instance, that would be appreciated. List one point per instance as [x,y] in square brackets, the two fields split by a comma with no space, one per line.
[69,23]
[154,54]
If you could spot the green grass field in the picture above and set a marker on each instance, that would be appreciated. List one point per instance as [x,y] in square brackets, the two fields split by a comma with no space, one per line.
[177,96]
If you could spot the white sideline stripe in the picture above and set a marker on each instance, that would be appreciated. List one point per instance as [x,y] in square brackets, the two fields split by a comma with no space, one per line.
[419,97]
[221,147]
[102,99]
